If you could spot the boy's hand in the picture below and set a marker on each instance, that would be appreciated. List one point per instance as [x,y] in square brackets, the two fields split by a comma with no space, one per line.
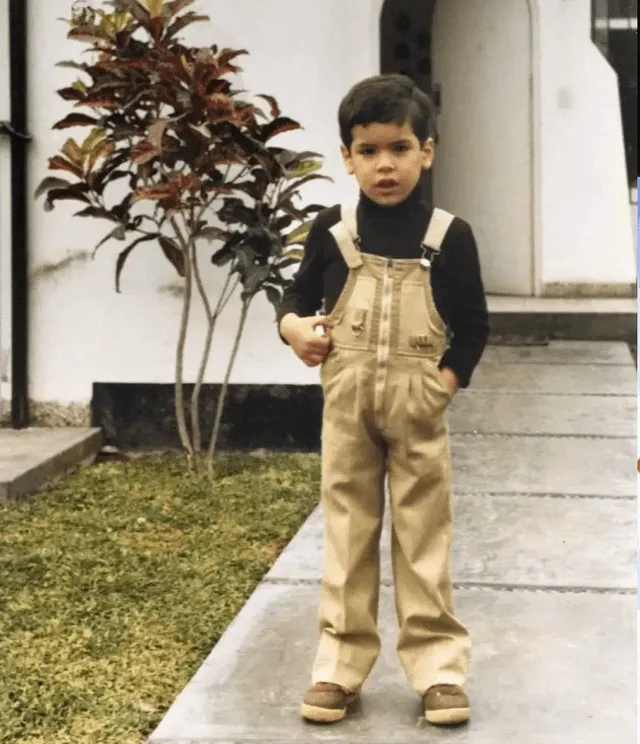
[450,379]
[302,336]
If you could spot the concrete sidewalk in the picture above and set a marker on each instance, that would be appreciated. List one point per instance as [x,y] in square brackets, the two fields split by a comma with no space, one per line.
[544,449]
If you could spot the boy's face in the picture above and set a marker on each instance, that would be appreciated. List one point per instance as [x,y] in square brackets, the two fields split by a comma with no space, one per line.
[387,161]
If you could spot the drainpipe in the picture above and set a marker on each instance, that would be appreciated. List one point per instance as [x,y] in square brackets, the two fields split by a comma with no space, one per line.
[16,129]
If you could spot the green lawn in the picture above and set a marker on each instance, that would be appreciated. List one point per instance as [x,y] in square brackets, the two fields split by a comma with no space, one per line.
[117,582]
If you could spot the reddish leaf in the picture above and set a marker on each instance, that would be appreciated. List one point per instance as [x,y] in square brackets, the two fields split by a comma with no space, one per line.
[70,94]
[73,152]
[219,105]
[226,55]
[183,21]
[59,163]
[278,126]
[275,109]
[157,27]
[88,33]
[99,102]
[74,193]
[175,6]
[144,152]
[122,258]
[75,120]
[174,253]
[163,191]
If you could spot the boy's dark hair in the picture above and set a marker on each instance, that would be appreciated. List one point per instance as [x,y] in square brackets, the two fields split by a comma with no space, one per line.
[386,99]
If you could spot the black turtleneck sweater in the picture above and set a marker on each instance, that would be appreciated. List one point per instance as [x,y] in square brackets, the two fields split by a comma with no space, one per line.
[397,232]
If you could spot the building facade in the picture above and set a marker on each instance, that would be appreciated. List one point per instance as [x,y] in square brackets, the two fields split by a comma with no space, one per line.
[535,139]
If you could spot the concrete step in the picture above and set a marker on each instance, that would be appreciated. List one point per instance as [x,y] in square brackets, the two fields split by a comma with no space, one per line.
[582,318]
[32,458]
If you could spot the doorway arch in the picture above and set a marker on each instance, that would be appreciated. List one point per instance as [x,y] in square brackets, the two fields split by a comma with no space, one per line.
[475,59]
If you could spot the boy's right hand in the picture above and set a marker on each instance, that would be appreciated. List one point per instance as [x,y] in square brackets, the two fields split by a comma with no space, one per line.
[302,336]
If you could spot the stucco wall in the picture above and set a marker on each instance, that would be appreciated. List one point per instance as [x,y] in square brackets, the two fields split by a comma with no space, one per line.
[307,54]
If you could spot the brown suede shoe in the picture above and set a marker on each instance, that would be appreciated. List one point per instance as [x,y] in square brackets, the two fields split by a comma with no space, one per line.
[446,705]
[326,703]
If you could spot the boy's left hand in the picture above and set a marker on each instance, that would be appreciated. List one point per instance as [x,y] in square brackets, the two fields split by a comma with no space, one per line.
[450,379]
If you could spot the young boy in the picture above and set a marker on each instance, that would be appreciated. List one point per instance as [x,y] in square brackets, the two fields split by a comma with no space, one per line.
[395,276]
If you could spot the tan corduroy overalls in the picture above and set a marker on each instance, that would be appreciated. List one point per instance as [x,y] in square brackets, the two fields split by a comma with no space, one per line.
[384,414]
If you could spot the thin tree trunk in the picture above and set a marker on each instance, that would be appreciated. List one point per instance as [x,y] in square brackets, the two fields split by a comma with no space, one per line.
[211,324]
[182,337]
[225,386]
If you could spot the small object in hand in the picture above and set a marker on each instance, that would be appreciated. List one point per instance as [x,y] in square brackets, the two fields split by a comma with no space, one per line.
[320,331]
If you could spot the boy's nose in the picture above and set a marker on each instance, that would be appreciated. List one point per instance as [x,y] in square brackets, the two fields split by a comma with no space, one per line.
[385,163]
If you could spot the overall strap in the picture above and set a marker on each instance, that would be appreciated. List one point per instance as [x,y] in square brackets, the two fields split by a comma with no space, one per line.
[345,233]
[437,229]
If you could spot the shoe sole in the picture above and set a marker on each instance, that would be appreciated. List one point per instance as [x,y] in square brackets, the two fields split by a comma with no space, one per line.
[325,715]
[450,717]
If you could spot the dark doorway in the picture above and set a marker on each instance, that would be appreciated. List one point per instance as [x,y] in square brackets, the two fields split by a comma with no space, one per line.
[405,48]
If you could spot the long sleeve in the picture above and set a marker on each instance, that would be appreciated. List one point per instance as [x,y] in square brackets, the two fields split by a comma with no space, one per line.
[304,297]
[468,316]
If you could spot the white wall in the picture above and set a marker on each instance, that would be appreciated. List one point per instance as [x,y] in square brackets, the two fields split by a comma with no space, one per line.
[82,331]
[586,236]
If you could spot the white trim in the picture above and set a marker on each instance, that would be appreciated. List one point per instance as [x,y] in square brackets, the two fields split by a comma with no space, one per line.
[536,147]
[616,24]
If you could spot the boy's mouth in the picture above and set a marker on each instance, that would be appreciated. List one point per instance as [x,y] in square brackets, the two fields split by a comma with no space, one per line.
[386,183]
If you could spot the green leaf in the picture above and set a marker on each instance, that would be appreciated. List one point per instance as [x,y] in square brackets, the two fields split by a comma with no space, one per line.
[295,186]
[274,296]
[253,276]
[299,235]
[295,254]
[290,261]
[234,211]
[118,233]
[98,212]
[213,233]
[227,252]
[303,168]
[121,260]
[290,158]
[174,253]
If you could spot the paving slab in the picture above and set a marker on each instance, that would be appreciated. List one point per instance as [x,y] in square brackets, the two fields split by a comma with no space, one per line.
[562,352]
[547,668]
[544,465]
[509,540]
[30,458]
[570,379]
[536,413]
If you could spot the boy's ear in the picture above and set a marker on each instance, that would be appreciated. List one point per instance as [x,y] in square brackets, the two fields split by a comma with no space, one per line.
[428,153]
[348,160]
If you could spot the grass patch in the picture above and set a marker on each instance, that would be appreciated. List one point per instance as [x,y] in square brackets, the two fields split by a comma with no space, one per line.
[119,580]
